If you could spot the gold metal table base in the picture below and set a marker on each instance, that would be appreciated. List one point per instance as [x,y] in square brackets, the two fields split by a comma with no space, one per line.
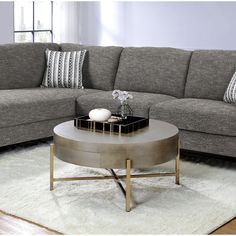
[117,178]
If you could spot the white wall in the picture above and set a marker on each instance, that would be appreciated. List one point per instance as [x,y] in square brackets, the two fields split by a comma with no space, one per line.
[187,25]
[6,22]
[66,21]
[190,25]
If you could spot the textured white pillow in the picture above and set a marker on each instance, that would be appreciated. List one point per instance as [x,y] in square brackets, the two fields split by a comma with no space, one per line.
[230,94]
[64,69]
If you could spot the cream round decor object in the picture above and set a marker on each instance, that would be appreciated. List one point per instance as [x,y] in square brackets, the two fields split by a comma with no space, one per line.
[99,114]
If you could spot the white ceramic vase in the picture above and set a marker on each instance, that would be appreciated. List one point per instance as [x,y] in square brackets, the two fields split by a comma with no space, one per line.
[99,114]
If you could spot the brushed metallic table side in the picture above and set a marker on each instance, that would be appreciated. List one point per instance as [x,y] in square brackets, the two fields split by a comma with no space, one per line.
[144,148]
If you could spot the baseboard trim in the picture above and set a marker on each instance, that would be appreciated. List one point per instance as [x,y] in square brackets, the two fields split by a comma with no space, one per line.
[25,144]
[190,153]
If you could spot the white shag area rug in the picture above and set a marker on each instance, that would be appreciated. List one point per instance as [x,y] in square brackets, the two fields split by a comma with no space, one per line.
[205,200]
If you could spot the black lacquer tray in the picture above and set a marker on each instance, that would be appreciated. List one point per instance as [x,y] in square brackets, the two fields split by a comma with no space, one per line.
[122,126]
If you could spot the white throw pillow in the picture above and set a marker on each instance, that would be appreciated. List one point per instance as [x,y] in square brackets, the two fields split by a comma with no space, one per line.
[230,94]
[64,69]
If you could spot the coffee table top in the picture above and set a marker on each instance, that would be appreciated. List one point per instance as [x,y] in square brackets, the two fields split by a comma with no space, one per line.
[157,130]
[151,145]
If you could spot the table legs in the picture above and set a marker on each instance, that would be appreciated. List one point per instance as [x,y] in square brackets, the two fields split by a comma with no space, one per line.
[127,177]
[177,165]
[52,153]
[128,185]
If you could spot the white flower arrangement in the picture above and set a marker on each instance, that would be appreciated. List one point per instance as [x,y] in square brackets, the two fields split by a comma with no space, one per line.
[122,96]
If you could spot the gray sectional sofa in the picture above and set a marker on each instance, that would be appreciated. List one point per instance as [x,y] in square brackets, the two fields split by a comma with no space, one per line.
[181,87]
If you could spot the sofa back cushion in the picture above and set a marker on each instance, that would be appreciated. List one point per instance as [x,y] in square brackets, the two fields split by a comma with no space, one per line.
[100,65]
[22,65]
[210,72]
[154,70]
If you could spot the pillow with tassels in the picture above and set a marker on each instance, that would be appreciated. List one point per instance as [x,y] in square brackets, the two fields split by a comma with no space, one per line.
[64,69]
[230,94]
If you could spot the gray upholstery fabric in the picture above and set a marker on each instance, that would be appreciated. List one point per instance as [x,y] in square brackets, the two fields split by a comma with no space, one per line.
[154,70]
[20,106]
[100,65]
[201,115]
[140,104]
[22,65]
[156,75]
[27,132]
[208,143]
[210,72]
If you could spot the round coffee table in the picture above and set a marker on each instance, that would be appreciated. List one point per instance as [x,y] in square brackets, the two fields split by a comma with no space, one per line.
[147,147]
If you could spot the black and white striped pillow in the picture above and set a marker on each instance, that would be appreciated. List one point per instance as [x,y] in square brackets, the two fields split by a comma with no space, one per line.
[230,94]
[64,69]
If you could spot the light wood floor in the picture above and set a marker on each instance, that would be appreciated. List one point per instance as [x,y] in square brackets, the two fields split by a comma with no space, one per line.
[14,225]
[229,228]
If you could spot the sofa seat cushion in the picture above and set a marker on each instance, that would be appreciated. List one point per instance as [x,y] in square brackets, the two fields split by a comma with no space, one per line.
[201,115]
[140,103]
[21,106]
